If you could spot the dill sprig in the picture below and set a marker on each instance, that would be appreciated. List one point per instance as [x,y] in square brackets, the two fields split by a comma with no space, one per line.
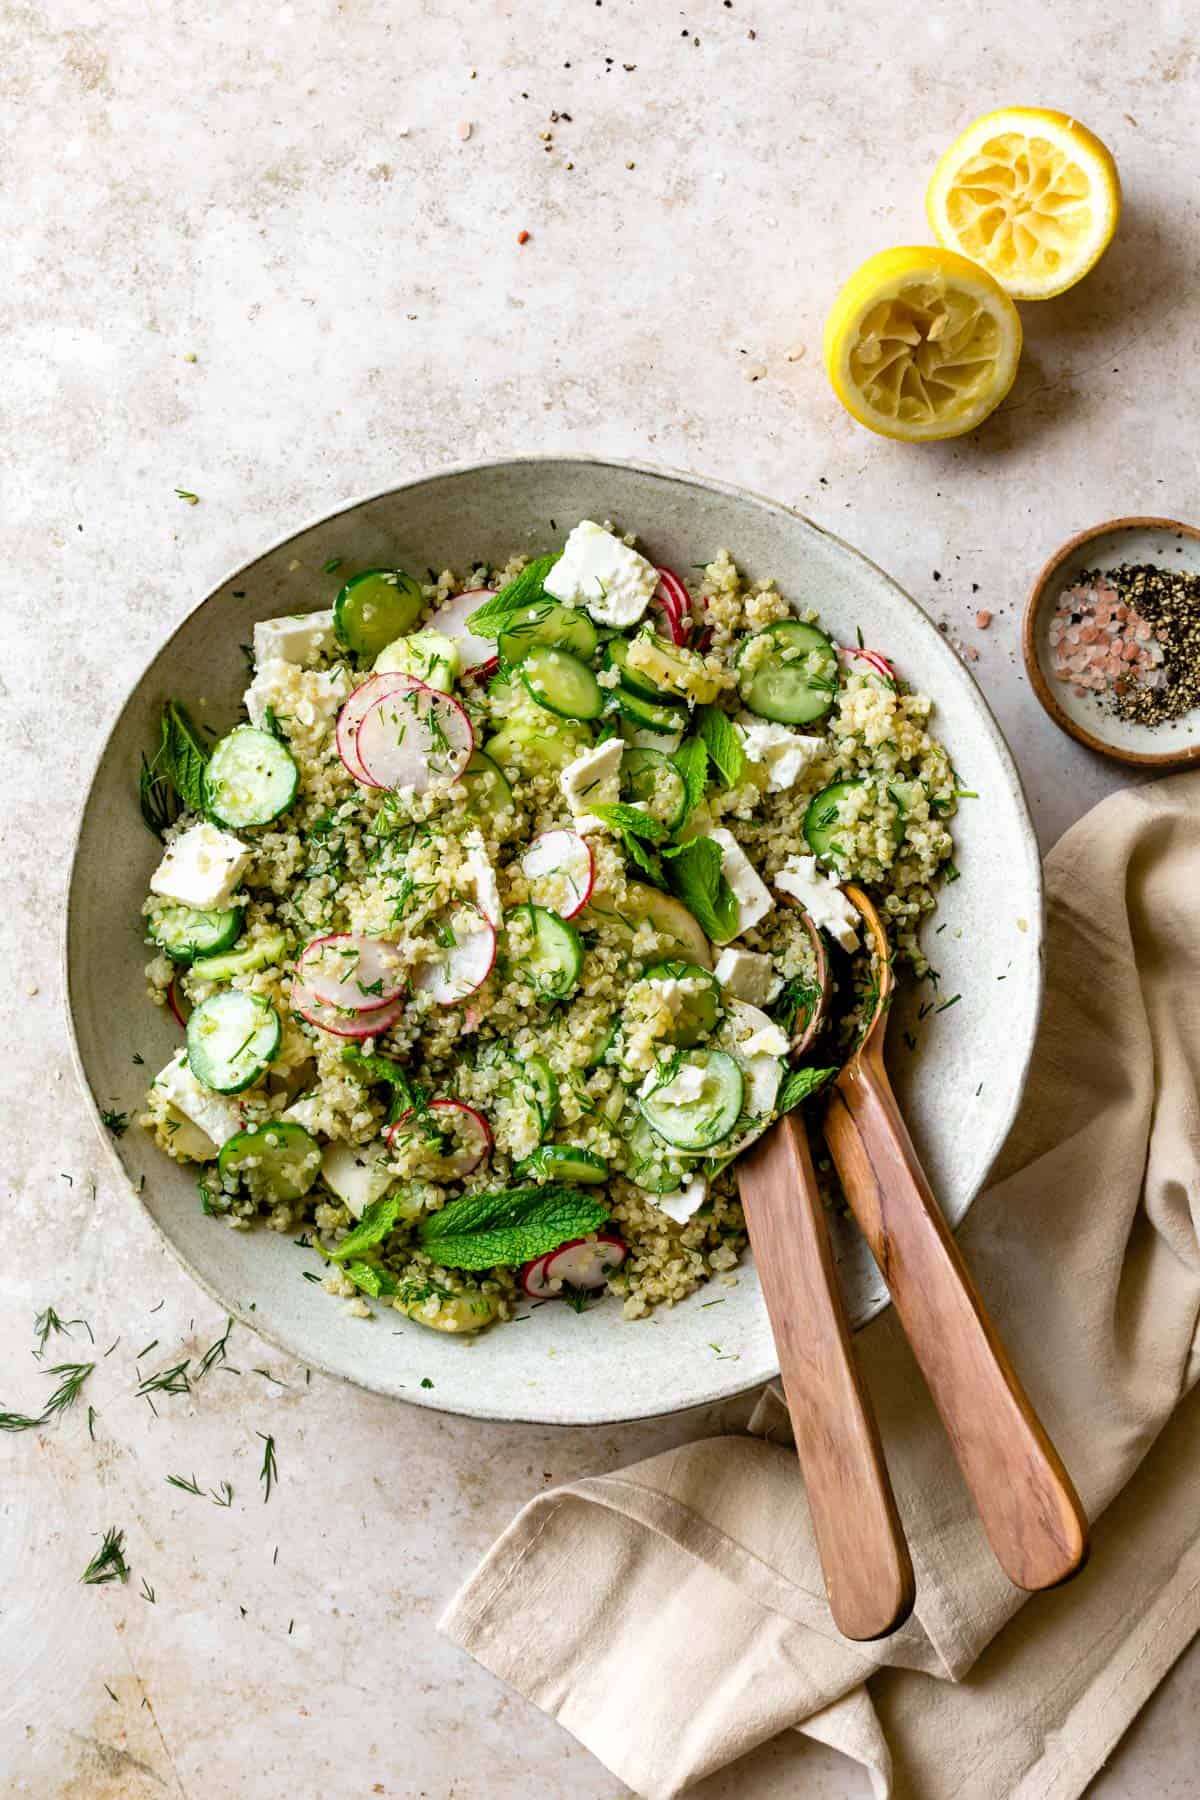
[72,1377]
[215,1352]
[184,1485]
[269,1473]
[147,1591]
[48,1321]
[109,1563]
[222,1494]
[159,802]
[10,1421]
[167,1381]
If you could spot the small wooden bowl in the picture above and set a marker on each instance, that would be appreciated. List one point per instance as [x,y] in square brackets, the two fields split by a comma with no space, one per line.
[1165,542]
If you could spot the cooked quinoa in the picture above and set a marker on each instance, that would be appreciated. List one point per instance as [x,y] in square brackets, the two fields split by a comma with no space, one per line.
[437,1014]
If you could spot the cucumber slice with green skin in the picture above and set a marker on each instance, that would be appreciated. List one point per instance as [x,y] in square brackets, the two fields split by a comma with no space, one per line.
[561,683]
[666,718]
[541,1078]
[515,746]
[277,1161]
[822,821]
[649,1162]
[546,622]
[698,1010]
[270,948]
[788,672]
[708,1118]
[555,960]
[669,917]
[616,656]
[650,776]
[251,778]
[428,655]
[563,1162]
[375,608]
[488,790]
[184,933]
[603,1045]
[231,1038]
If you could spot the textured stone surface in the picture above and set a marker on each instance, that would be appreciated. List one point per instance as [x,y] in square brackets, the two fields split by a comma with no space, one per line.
[282,192]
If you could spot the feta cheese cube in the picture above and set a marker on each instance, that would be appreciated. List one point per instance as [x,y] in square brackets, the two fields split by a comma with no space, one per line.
[214,1115]
[821,898]
[687,1201]
[478,877]
[308,1111]
[201,868]
[748,976]
[358,1175]
[754,900]
[299,698]
[688,1085]
[782,753]
[300,638]
[593,779]
[756,1045]
[598,571]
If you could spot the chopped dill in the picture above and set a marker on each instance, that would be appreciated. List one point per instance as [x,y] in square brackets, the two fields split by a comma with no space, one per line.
[269,1473]
[108,1564]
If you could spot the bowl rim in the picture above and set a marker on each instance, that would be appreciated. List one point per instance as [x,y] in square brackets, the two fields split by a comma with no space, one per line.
[1002,1122]
[1039,593]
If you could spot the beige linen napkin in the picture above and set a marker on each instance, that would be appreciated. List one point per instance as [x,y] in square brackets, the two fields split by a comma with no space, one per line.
[698,1628]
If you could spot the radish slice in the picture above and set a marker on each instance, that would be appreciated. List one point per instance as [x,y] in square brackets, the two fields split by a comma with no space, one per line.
[463,963]
[472,1135]
[533,1279]
[676,603]
[351,717]
[878,663]
[561,871]
[353,973]
[477,655]
[582,1263]
[414,737]
[177,1002]
[344,1024]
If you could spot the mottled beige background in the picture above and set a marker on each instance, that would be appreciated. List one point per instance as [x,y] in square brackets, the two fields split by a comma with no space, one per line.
[282,192]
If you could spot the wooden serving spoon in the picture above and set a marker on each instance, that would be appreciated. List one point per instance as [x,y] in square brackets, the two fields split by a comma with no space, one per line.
[868,1572]
[1030,1510]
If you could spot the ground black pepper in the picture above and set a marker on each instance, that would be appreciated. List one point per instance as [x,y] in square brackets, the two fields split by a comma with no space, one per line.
[1169,599]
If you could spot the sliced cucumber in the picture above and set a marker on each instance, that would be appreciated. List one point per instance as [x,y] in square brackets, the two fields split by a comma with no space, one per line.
[700,1120]
[822,821]
[561,683]
[788,672]
[541,1078]
[616,656]
[231,1038]
[674,672]
[545,622]
[487,788]
[563,1162]
[669,917]
[270,948]
[375,608]
[697,1011]
[664,717]
[647,1159]
[650,776]
[184,933]
[427,655]
[603,1045]
[277,1161]
[555,959]
[251,778]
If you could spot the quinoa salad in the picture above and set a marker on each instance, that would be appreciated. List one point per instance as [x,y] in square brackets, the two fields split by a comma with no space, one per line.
[498,927]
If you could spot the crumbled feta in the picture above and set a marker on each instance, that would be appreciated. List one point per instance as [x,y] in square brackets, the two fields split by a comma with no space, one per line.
[687,1201]
[821,898]
[638,739]
[782,753]
[300,638]
[479,876]
[357,1176]
[748,975]
[297,697]
[308,1111]
[593,779]
[598,571]
[201,868]
[214,1115]
[752,1038]
[688,1085]
[768,1040]
[754,900]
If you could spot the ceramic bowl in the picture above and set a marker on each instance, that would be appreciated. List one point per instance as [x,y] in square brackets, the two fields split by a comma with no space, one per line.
[1163,542]
[959,1086]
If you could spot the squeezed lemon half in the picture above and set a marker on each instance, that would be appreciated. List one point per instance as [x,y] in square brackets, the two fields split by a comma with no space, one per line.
[921,343]
[1030,194]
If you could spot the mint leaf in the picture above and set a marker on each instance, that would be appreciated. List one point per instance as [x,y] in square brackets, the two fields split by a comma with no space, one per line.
[693,872]
[374,1066]
[512,1226]
[377,1220]
[799,1085]
[371,1279]
[643,858]
[723,741]
[631,819]
[524,590]
[182,757]
[690,763]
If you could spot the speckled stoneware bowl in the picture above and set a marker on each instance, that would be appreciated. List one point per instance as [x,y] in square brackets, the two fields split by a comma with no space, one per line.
[959,1087]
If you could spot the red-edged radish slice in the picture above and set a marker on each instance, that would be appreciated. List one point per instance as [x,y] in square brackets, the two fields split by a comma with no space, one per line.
[344,1024]
[561,871]
[872,658]
[351,972]
[676,603]
[474,1141]
[477,655]
[414,737]
[583,1263]
[351,717]
[177,1001]
[533,1279]
[463,963]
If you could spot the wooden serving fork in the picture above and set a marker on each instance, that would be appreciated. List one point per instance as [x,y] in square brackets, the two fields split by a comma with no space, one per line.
[865,1560]
[1029,1508]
